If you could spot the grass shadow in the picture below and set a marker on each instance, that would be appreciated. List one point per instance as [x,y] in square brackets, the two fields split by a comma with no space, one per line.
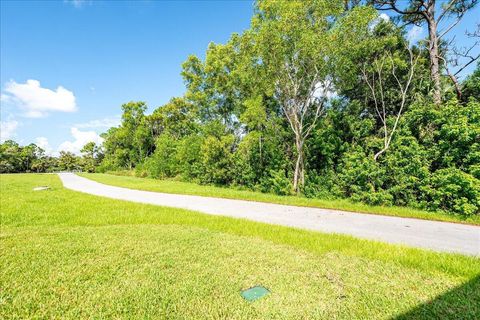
[462,302]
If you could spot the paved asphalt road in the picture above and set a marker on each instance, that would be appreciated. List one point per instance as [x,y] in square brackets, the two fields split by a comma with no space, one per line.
[439,236]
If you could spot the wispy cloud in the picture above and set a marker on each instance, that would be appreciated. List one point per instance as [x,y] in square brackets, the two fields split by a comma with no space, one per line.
[380,18]
[43,143]
[80,138]
[415,34]
[100,123]
[36,101]
[8,129]
[78,3]
[384,17]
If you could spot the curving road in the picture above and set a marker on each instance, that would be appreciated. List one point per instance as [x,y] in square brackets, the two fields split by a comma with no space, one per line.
[434,235]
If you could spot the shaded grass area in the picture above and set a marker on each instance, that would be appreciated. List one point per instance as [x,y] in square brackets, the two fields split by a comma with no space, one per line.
[457,301]
[71,255]
[178,187]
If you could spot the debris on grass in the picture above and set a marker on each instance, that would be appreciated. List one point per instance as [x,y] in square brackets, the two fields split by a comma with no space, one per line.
[40,188]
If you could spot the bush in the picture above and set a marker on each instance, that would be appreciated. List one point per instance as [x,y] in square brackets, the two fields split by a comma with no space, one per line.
[362,179]
[454,191]
[162,163]
[450,133]
[189,157]
[407,170]
[276,182]
[248,160]
[217,159]
[324,186]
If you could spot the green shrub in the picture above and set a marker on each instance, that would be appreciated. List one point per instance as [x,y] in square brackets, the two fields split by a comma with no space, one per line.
[362,179]
[454,191]
[276,182]
[450,133]
[217,159]
[189,157]
[406,170]
[162,163]
[323,186]
[248,160]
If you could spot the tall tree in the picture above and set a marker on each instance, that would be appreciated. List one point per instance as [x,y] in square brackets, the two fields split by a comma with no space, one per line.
[215,85]
[178,118]
[293,44]
[440,20]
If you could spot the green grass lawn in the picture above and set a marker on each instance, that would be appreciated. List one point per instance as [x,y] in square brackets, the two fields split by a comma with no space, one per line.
[66,254]
[172,186]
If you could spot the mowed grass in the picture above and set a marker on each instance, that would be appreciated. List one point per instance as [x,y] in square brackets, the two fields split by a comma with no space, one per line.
[66,254]
[173,186]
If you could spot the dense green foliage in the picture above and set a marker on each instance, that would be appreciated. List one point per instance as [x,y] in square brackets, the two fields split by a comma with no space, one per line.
[234,125]
[316,98]
[70,255]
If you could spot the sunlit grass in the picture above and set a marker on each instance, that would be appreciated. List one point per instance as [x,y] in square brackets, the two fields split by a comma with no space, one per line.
[70,255]
[179,187]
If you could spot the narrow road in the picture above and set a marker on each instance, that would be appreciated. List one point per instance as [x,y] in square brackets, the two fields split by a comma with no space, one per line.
[434,235]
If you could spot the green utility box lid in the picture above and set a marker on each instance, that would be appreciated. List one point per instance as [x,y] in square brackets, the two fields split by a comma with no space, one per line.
[254,293]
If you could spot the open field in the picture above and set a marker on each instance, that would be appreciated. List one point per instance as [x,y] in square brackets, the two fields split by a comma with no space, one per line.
[172,186]
[71,255]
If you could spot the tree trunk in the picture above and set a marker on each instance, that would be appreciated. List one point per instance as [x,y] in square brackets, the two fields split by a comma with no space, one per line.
[299,174]
[458,89]
[434,57]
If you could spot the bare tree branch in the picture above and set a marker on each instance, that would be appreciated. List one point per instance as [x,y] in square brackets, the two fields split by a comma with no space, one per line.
[423,11]
[403,88]
[450,27]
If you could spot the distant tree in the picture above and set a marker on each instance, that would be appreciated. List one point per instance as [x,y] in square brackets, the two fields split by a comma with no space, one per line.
[68,161]
[139,141]
[132,142]
[45,163]
[91,156]
[10,157]
[28,154]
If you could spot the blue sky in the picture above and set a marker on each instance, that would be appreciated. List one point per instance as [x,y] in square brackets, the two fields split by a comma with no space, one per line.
[105,53]
[102,54]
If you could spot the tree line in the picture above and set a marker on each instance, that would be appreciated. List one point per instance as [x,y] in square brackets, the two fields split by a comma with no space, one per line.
[323,99]
[31,158]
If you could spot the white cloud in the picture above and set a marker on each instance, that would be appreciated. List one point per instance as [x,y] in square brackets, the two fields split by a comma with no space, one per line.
[43,143]
[81,138]
[384,17]
[414,34]
[101,123]
[377,20]
[8,129]
[36,101]
[5,98]
[78,3]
